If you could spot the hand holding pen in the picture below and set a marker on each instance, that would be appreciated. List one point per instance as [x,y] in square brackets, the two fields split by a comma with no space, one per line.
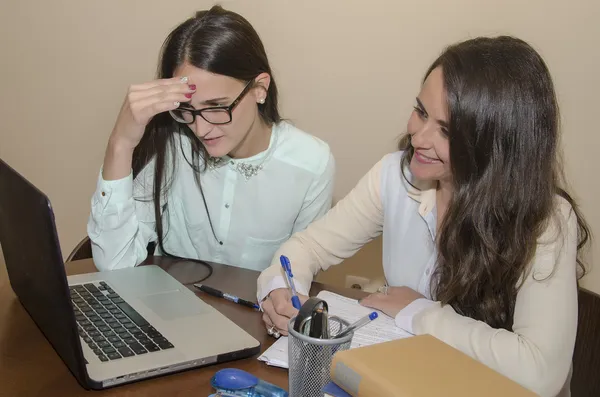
[287,269]
[282,303]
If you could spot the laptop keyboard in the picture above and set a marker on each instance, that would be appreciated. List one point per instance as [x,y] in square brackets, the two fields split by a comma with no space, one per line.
[110,326]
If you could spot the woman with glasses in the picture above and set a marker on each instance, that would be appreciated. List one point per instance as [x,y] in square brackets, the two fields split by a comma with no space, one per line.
[200,162]
[481,243]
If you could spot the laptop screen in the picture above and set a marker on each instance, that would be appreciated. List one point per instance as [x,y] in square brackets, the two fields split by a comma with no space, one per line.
[35,265]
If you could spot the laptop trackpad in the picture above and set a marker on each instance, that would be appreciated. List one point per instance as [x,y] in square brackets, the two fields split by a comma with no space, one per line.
[171,305]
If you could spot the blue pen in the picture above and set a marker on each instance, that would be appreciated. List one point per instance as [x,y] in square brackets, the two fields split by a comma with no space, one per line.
[287,268]
[359,323]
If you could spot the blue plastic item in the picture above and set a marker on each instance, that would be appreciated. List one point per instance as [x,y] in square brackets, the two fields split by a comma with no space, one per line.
[238,383]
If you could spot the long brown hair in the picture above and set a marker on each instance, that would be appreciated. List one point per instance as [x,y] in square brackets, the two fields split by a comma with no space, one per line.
[218,41]
[503,138]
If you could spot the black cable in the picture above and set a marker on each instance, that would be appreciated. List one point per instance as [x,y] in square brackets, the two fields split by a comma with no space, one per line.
[160,231]
[201,262]
[167,254]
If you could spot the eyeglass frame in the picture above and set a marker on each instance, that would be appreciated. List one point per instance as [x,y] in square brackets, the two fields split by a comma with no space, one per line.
[229,108]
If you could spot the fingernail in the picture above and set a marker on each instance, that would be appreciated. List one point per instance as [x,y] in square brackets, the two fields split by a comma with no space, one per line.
[188,95]
[192,86]
[183,79]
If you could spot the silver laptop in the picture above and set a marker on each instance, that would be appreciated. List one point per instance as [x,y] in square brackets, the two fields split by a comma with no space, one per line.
[112,327]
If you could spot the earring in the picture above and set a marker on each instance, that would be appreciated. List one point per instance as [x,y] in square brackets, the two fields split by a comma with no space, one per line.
[261,101]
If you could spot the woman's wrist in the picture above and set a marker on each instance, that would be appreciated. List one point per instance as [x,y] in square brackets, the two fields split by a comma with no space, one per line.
[117,160]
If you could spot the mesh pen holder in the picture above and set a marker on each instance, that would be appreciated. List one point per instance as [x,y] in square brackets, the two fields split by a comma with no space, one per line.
[310,358]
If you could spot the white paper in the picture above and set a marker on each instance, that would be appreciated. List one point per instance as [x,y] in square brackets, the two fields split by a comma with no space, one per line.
[277,354]
[382,329]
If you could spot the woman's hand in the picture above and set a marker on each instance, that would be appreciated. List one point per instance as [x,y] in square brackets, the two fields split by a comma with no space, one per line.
[396,299]
[142,102]
[278,310]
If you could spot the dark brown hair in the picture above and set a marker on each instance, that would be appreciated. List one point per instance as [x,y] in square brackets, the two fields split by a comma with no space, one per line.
[218,41]
[503,138]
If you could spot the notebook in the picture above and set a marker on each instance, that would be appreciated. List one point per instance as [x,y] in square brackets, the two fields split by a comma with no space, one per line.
[382,329]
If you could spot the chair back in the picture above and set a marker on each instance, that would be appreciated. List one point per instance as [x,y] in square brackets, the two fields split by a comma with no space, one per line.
[83,250]
[586,357]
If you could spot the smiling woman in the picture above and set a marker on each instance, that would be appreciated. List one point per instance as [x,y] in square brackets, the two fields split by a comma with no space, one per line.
[481,243]
[200,161]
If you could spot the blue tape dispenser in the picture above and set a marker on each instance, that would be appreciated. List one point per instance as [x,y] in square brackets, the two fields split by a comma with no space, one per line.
[232,382]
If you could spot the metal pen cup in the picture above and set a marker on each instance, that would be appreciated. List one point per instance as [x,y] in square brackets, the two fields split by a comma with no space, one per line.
[310,358]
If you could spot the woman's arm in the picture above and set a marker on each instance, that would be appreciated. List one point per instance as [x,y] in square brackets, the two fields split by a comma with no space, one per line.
[538,353]
[119,226]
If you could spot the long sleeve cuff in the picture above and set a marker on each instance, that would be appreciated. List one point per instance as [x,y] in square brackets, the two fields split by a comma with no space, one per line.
[118,191]
[280,282]
[404,319]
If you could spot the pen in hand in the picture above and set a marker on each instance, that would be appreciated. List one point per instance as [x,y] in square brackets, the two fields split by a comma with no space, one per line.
[287,269]
[220,294]
[359,323]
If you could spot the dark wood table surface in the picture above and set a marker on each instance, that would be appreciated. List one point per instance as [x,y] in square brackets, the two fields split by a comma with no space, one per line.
[29,366]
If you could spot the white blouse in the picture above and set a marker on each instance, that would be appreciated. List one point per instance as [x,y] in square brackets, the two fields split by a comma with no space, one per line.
[252,214]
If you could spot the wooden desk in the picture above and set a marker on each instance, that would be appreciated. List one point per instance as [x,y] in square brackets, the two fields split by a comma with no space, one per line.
[29,366]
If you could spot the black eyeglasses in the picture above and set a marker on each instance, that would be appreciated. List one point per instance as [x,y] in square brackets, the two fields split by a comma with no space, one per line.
[186,114]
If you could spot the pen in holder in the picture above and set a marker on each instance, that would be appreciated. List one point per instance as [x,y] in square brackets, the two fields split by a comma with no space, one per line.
[310,358]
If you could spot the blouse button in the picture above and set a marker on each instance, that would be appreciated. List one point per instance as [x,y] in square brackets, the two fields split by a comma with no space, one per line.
[103,194]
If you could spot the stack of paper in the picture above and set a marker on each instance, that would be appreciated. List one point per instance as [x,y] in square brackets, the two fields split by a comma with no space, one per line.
[382,329]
